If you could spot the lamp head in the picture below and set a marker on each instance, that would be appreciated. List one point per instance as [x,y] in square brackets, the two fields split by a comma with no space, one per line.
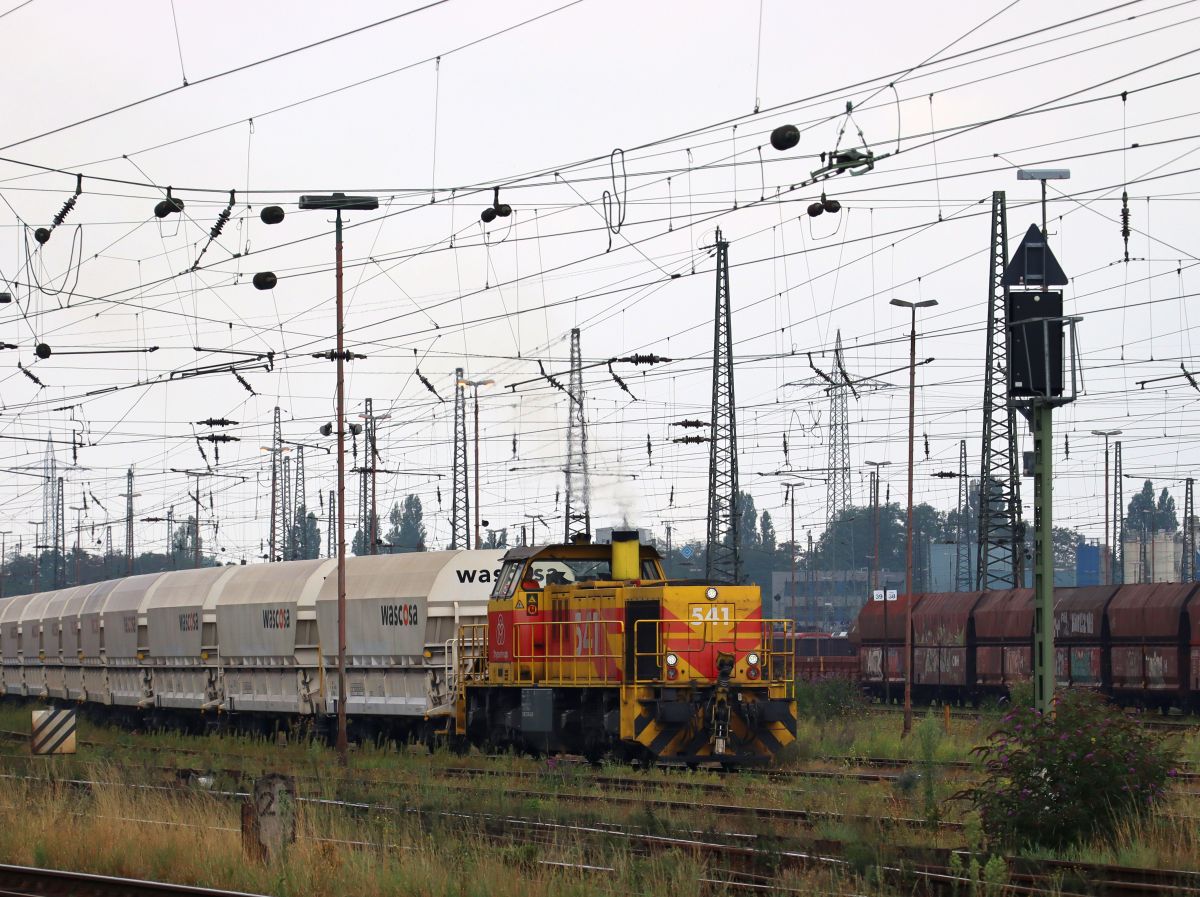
[1043,174]
[340,201]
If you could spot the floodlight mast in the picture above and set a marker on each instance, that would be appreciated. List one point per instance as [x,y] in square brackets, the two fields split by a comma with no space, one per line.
[908,539]
[337,202]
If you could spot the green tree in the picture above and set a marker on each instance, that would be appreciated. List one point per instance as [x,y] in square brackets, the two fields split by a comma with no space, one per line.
[407,532]
[360,544]
[749,520]
[1145,515]
[766,529]
[183,543]
[1165,512]
[304,538]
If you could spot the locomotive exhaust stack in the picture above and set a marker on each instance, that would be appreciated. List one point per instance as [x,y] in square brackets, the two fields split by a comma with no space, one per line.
[626,551]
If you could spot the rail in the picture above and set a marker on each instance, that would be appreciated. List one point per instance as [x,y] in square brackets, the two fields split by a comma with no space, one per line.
[56,882]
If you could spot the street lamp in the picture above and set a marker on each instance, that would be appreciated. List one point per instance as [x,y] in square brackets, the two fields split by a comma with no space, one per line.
[1106,557]
[908,537]
[475,384]
[337,202]
[875,472]
[1043,175]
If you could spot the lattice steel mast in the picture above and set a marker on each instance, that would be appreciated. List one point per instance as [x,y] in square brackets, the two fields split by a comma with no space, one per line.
[1000,551]
[578,508]
[285,510]
[129,522]
[331,526]
[723,560]
[837,495]
[962,550]
[1187,569]
[300,526]
[1118,520]
[368,514]
[277,524]
[460,502]
[60,538]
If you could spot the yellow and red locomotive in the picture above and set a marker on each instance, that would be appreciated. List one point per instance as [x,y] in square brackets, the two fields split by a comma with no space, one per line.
[589,649]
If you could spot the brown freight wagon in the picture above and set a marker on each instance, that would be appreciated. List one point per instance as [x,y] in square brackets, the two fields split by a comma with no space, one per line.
[1149,642]
[1003,640]
[1081,636]
[943,664]
[1193,628]
[879,632]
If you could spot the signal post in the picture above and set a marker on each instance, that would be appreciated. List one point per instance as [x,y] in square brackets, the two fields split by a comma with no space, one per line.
[1036,329]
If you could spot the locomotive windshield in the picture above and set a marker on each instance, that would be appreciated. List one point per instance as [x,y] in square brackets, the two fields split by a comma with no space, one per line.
[543,571]
[507,583]
[561,571]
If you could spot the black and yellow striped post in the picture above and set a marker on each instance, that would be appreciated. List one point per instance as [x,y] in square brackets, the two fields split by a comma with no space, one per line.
[53,731]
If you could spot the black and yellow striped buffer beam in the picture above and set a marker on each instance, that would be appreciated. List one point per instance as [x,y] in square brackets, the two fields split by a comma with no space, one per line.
[53,731]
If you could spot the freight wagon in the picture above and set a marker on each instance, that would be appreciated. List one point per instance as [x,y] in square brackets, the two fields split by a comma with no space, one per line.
[1138,643]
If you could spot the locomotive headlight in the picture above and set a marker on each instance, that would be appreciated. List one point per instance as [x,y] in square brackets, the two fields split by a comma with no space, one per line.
[752,659]
[711,593]
[672,660]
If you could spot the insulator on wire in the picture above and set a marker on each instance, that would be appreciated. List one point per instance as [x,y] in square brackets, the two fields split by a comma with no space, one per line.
[1125,221]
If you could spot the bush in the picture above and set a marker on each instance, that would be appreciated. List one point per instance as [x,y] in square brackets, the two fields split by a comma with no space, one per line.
[828,699]
[1053,781]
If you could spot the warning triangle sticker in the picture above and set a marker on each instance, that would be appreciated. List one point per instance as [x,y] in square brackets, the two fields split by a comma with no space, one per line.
[1033,264]
[519,604]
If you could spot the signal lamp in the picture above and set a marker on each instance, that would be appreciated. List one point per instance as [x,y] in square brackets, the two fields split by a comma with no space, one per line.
[752,659]
[672,660]
[711,593]
[672,672]
[752,672]
[271,215]
[265,280]
[785,137]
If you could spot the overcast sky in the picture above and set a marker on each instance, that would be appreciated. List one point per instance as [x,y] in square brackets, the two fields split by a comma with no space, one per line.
[538,97]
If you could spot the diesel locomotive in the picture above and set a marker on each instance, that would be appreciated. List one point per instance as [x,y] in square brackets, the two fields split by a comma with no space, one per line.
[589,649]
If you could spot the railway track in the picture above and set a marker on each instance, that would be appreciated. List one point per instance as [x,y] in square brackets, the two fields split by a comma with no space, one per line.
[19,881]
[749,863]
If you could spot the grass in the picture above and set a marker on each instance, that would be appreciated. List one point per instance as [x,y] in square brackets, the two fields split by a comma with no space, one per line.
[186,834]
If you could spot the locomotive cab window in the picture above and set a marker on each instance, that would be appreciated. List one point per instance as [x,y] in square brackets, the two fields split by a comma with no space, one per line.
[564,571]
[507,583]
